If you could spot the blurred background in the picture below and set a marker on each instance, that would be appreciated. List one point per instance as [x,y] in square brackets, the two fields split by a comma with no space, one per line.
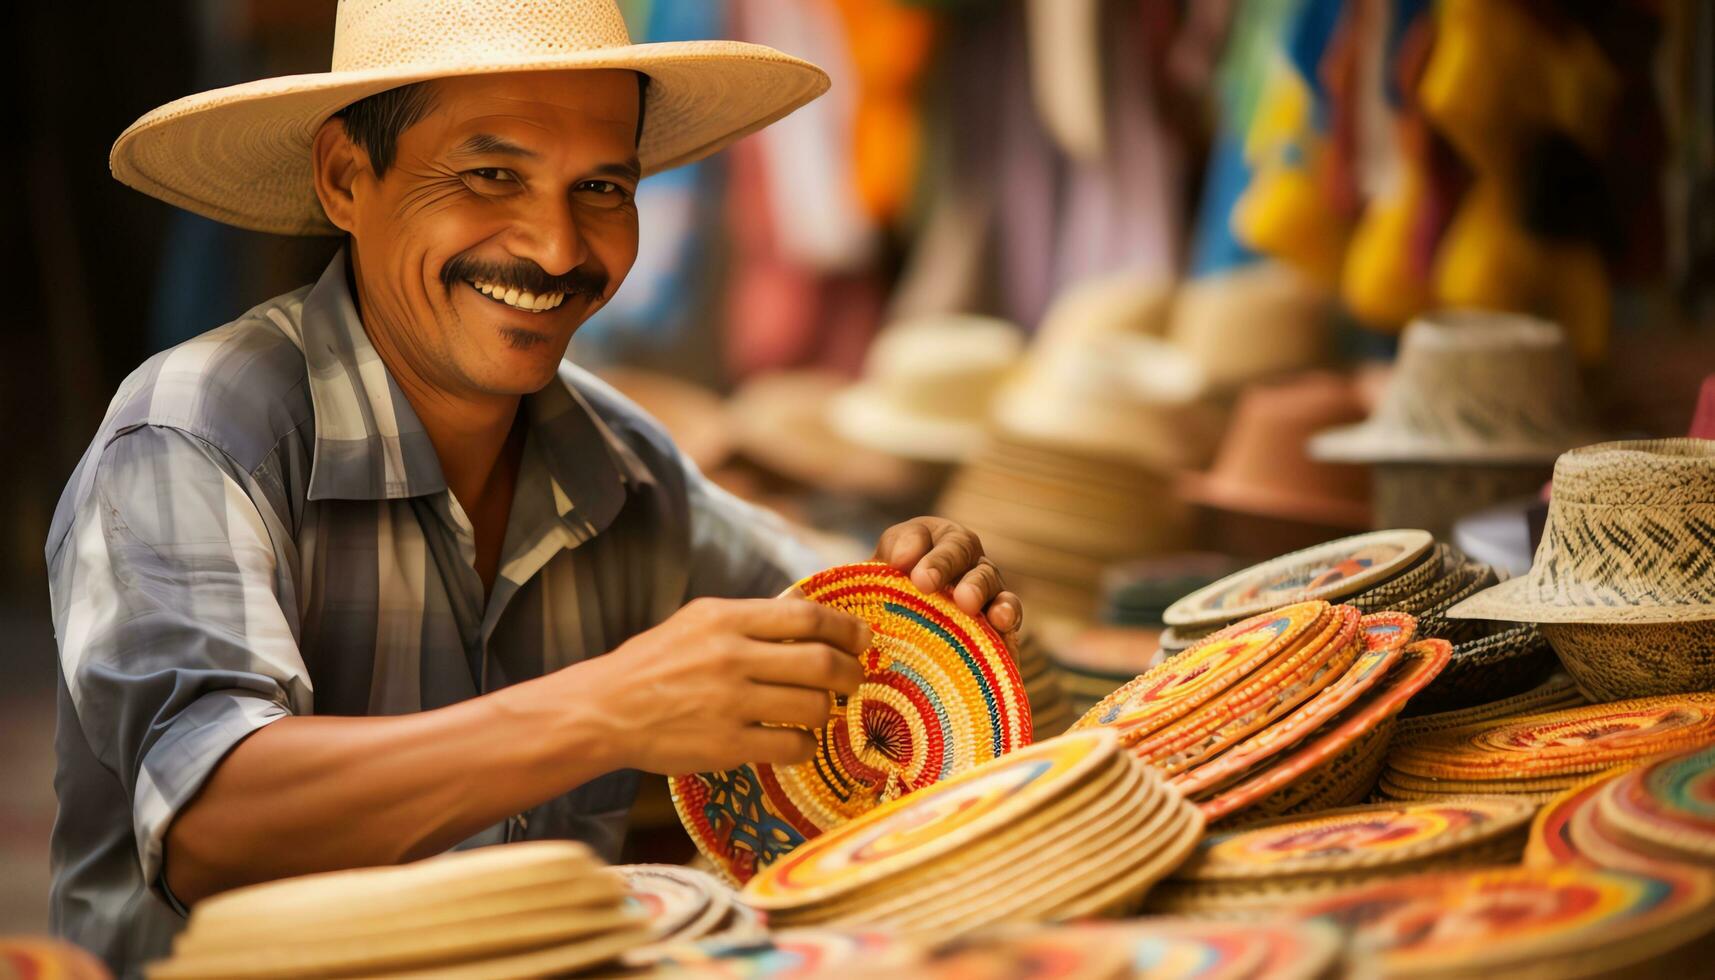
[1087,275]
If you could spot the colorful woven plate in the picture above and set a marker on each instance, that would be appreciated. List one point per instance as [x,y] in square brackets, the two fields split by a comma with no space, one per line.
[672,897]
[1562,921]
[1164,949]
[1354,837]
[1550,836]
[1552,695]
[1384,635]
[1418,665]
[1177,686]
[940,694]
[1670,804]
[1576,740]
[909,832]
[1327,571]
[792,954]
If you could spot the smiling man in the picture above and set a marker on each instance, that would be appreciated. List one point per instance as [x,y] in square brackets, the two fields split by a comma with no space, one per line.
[369,572]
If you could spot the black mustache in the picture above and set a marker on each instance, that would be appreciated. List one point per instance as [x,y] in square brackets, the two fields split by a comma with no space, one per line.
[526,276]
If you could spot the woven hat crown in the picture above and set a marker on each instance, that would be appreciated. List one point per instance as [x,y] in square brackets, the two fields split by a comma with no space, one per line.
[371,34]
[1630,538]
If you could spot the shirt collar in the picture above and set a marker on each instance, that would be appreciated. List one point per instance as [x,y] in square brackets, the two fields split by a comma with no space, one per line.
[370,445]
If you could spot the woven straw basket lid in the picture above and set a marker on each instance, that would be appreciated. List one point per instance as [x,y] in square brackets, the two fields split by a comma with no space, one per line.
[1472,387]
[241,154]
[1630,539]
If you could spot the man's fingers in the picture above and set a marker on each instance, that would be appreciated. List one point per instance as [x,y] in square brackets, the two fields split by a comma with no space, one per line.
[803,621]
[816,666]
[777,705]
[1006,612]
[777,746]
[904,545]
[956,552]
[978,587]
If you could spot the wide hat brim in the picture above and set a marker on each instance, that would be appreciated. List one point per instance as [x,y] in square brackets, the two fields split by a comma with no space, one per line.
[1527,600]
[241,154]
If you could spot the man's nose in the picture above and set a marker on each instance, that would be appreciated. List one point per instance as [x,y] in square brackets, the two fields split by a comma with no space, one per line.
[549,236]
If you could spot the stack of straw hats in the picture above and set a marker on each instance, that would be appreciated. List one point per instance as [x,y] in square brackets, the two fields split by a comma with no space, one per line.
[1053,519]
[684,905]
[1051,706]
[1266,866]
[1540,756]
[1623,585]
[941,693]
[1477,408]
[1286,711]
[1066,828]
[1557,922]
[1399,571]
[1637,818]
[1252,322]
[1265,493]
[927,385]
[530,909]
[780,422]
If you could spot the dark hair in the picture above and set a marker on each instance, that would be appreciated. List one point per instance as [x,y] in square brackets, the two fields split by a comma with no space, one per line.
[374,123]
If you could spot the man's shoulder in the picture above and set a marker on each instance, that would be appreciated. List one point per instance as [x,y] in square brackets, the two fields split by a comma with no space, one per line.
[241,387]
[624,417]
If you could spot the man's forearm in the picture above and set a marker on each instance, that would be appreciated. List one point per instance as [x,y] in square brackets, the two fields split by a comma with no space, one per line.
[313,793]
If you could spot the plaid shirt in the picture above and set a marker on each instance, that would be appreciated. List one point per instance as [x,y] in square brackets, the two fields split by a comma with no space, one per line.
[261,529]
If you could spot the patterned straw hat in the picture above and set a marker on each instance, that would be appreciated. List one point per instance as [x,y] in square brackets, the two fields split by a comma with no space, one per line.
[1472,387]
[241,154]
[1630,539]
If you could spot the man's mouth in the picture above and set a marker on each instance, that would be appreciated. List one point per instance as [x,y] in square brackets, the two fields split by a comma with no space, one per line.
[516,298]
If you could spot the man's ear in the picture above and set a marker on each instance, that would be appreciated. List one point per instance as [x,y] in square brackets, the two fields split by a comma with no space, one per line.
[338,164]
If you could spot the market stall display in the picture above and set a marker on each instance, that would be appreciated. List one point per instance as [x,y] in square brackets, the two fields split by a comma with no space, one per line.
[684,905]
[1636,817]
[1069,827]
[941,694]
[531,908]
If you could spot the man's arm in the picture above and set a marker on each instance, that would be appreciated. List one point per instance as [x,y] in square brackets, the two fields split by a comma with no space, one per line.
[176,624]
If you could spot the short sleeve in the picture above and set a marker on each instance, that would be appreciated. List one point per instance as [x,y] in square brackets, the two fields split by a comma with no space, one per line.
[175,643]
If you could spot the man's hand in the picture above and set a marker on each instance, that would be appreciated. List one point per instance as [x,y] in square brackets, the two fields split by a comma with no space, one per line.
[709,687]
[937,553]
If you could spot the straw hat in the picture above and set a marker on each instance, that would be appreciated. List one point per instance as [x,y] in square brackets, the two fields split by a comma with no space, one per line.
[1472,387]
[1262,466]
[1630,539]
[927,386]
[1261,319]
[241,154]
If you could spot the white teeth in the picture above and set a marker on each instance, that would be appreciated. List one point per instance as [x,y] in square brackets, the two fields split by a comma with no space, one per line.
[524,300]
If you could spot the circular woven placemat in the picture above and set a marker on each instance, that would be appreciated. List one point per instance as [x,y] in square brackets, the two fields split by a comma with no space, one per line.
[1326,571]
[940,694]
[1669,804]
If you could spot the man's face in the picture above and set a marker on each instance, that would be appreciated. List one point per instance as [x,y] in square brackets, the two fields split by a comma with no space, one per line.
[506,219]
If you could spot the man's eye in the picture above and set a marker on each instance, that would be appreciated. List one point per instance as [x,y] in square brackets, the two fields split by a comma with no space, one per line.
[494,174]
[603,192]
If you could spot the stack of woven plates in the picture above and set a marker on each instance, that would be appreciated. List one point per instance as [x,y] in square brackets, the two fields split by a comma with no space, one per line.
[792,954]
[1551,695]
[531,909]
[941,693]
[1397,571]
[1287,711]
[685,905]
[1054,518]
[1065,828]
[1052,709]
[1542,755]
[1639,818]
[1267,866]
[1559,922]
[1137,593]
[1094,662]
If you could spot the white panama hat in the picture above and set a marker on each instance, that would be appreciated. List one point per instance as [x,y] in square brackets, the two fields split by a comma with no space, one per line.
[241,154]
